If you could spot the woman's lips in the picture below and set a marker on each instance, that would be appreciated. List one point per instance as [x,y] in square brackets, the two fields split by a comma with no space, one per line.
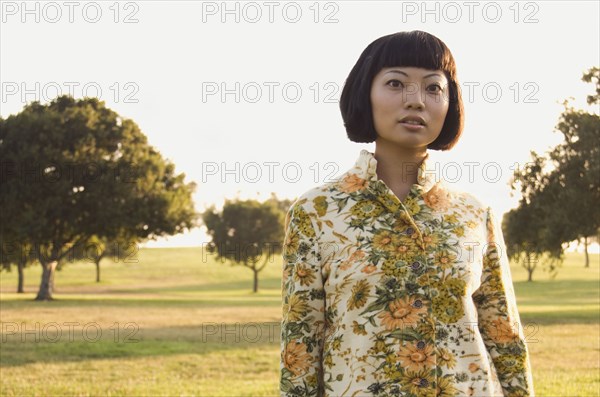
[412,127]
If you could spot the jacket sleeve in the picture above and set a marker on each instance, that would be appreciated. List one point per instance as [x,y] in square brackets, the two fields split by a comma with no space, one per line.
[498,319]
[303,308]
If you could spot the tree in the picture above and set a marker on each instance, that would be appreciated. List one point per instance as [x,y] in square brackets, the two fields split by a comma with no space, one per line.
[568,194]
[244,231]
[11,251]
[73,169]
[96,249]
[525,233]
[17,253]
[577,163]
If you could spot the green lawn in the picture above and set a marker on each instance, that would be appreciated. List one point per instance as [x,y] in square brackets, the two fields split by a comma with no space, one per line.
[173,324]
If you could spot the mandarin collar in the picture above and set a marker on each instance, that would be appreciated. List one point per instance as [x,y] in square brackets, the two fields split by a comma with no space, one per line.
[366,166]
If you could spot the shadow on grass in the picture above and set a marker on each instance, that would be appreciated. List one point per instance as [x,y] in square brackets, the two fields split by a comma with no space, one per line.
[558,302]
[584,316]
[73,345]
[558,292]
[158,302]
[272,283]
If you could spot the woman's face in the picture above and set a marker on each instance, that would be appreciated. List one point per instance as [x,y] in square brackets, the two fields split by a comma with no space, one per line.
[421,94]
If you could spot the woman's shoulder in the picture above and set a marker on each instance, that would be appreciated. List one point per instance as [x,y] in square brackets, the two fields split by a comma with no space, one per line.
[320,195]
[321,192]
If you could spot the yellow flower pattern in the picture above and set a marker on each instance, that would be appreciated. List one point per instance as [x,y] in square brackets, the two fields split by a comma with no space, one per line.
[383,297]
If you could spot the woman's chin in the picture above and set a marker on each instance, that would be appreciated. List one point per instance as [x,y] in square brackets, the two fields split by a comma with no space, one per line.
[409,142]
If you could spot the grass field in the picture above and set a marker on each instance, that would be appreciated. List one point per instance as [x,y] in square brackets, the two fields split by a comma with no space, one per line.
[173,324]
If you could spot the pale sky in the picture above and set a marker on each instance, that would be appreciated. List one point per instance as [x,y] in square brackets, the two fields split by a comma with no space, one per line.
[281,67]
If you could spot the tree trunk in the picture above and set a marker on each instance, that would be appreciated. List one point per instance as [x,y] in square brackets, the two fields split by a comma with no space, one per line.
[47,284]
[585,249]
[529,268]
[20,266]
[255,280]
[98,271]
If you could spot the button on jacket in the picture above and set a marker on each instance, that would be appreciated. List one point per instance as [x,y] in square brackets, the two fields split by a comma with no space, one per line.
[383,297]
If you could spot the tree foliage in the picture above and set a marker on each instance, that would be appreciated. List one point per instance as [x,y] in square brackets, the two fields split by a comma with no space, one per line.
[74,169]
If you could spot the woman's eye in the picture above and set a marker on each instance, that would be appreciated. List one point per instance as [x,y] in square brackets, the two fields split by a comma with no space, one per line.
[395,83]
[439,87]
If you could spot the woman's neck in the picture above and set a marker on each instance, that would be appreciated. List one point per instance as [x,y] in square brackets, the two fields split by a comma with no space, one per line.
[398,167]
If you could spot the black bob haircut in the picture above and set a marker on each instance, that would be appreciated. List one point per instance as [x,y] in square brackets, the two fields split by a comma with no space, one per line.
[410,49]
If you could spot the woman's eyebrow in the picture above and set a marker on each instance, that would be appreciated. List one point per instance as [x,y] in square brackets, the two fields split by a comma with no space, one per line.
[401,72]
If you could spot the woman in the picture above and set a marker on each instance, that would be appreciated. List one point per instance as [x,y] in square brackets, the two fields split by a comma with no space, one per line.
[394,284]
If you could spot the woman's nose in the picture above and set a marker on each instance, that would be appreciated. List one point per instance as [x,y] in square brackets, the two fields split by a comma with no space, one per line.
[413,97]
[415,104]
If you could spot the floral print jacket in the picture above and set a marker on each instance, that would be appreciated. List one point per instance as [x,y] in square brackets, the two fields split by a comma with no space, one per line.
[390,298]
